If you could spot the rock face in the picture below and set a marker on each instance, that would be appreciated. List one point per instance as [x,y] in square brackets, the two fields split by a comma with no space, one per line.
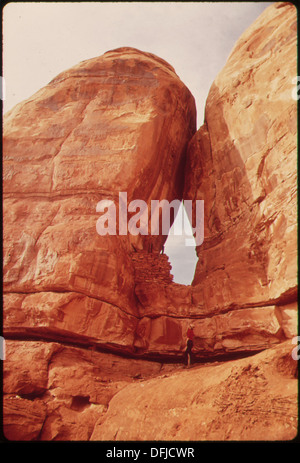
[238,400]
[242,162]
[58,392]
[94,321]
[118,123]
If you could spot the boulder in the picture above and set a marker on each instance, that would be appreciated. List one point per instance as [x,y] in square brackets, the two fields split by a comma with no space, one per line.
[118,123]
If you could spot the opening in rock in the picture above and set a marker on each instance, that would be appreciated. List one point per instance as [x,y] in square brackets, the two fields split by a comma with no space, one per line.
[182,257]
[32,395]
[80,402]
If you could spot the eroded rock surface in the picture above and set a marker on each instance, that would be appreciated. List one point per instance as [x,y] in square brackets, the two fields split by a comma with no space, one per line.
[91,320]
[243,163]
[57,392]
[247,399]
[117,123]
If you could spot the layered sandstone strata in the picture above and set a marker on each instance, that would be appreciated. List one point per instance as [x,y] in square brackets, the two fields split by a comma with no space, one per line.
[64,281]
[243,163]
[112,124]
[55,391]
[248,399]
[74,299]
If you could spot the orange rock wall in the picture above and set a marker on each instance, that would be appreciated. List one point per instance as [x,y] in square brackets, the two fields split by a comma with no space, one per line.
[243,163]
[241,400]
[74,299]
[117,123]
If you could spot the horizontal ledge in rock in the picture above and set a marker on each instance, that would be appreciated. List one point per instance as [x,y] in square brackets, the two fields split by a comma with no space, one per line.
[83,342]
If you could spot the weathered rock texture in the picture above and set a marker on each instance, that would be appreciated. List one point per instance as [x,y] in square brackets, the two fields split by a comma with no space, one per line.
[243,163]
[73,300]
[118,123]
[58,392]
[247,399]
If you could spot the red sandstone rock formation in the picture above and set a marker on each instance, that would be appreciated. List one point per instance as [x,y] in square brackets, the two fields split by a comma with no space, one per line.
[243,163]
[118,123]
[58,392]
[247,399]
[74,299]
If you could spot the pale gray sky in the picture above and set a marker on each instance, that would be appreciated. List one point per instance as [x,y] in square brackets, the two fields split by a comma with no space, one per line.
[40,40]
